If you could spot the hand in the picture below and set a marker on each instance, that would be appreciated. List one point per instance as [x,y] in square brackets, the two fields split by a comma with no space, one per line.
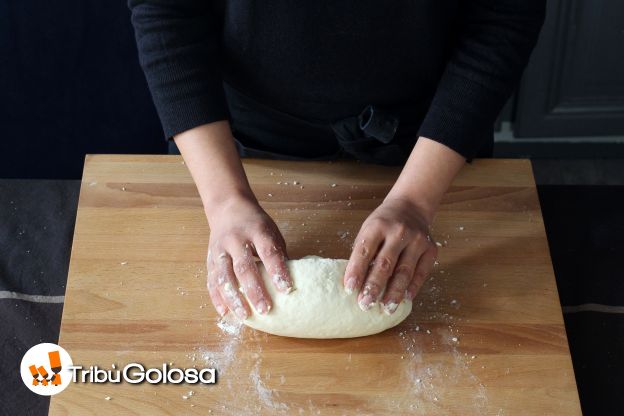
[240,229]
[393,250]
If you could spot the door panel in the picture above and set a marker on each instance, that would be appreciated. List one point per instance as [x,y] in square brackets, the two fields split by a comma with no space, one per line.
[574,84]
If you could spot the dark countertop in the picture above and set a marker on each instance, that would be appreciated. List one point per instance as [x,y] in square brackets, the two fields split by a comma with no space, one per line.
[36,226]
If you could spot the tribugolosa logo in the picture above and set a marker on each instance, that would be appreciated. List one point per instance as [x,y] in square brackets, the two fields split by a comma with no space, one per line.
[45,369]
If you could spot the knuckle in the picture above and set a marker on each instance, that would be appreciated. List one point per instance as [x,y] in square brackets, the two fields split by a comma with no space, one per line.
[420,238]
[232,240]
[383,264]
[220,278]
[268,250]
[403,270]
[229,290]
[401,231]
[364,249]
[260,228]
[217,277]
[373,222]
[219,258]
[376,224]
[241,266]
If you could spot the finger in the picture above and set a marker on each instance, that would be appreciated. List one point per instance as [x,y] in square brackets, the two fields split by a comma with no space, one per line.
[401,277]
[211,283]
[227,286]
[364,250]
[216,298]
[248,275]
[425,264]
[379,272]
[273,257]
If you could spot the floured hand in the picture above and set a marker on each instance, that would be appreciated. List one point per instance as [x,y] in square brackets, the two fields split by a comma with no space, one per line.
[240,230]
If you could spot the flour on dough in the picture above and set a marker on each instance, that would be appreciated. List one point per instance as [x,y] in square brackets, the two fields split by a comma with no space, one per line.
[320,307]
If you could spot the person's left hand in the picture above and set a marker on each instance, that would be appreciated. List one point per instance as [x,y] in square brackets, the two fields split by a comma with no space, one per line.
[393,250]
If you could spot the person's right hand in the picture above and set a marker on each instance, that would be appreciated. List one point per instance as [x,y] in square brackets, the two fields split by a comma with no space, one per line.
[239,230]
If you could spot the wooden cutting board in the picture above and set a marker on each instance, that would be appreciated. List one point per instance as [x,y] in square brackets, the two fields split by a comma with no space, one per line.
[486,335]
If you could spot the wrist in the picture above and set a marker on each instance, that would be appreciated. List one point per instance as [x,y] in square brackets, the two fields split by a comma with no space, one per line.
[218,207]
[426,209]
[426,176]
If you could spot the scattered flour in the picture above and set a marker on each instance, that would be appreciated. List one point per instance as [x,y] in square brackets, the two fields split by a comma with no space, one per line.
[229,326]
[430,382]
[267,396]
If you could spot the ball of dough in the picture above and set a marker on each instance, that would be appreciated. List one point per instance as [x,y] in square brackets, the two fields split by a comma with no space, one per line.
[320,307]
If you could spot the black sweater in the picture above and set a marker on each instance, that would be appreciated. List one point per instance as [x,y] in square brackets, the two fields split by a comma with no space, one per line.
[328,59]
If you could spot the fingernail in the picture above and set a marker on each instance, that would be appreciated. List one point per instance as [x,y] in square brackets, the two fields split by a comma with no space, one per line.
[366,303]
[408,295]
[240,312]
[221,310]
[350,285]
[390,308]
[262,307]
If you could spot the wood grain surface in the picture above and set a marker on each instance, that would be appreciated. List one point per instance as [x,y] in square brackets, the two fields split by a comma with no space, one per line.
[486,336]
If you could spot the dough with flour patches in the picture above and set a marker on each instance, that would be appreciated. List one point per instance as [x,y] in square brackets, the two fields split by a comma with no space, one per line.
[320,307]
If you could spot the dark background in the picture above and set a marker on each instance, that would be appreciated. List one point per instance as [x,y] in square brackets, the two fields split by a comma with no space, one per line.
[70,84]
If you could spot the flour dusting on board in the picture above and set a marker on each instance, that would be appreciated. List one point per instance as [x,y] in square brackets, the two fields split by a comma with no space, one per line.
[235,357]
[431,383]
[222,357]
[434,372]
[229,326]
[268,396]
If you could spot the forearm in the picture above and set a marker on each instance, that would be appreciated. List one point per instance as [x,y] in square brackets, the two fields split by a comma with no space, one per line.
[427,176]
[214,163]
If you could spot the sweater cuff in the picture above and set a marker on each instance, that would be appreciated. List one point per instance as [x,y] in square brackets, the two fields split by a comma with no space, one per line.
[187,113]
[462,114]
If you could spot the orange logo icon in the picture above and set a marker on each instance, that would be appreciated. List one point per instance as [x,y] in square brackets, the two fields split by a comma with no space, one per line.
[41,378]
[55,366]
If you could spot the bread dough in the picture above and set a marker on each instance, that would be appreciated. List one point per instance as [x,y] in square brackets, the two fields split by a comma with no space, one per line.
[320,307]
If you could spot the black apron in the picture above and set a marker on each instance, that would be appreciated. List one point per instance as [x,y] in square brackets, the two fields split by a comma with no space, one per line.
[377,135]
